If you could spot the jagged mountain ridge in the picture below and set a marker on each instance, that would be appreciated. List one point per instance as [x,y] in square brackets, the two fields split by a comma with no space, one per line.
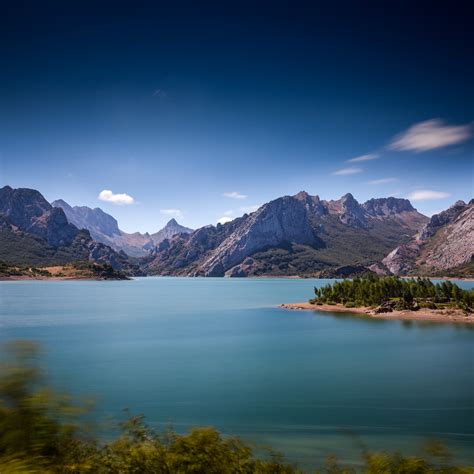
[104,228]
[445,242]
[299,234]
[32,232]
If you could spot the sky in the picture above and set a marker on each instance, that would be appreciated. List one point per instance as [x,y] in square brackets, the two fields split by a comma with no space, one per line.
[203,111]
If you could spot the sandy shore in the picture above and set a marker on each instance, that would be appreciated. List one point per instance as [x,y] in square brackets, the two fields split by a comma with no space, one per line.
[445,316]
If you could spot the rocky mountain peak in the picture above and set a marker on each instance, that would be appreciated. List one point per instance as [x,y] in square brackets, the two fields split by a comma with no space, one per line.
[390,206]
[351,212]
[313,204]
[171,229]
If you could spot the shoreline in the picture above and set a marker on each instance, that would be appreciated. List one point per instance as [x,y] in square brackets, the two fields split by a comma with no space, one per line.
[46,278]
[423,314]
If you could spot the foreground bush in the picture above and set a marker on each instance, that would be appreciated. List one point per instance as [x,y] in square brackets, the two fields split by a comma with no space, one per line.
[42,431]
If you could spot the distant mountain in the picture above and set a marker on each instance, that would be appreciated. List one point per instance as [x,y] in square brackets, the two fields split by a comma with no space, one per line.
[171,229]
[292,235]
[444,243]
[104,228]
[32,232]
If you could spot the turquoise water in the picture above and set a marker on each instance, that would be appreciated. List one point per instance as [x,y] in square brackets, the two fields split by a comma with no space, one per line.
[219,352]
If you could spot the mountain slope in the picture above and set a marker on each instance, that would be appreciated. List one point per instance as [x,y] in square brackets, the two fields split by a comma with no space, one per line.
[32,232]
[445,242]
[292,235]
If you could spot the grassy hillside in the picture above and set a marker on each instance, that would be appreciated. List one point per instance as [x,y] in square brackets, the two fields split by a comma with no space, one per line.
[20,248]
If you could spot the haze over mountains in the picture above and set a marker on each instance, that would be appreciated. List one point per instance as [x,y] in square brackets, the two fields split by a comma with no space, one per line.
[292,235]
[104,228]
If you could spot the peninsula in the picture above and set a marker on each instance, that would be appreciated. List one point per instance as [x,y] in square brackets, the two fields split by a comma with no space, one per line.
[394,298]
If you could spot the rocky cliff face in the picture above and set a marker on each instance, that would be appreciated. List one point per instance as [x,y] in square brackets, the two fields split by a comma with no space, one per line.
[104,229]
[27,210]
[445,242]
[297,234]
[33,232]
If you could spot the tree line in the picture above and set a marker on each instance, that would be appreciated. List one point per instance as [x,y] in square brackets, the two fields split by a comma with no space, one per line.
[407,293]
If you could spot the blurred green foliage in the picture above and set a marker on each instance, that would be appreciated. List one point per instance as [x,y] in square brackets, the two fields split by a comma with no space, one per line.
[42,431]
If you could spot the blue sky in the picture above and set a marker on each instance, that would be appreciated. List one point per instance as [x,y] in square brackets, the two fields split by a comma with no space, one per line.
[203,113]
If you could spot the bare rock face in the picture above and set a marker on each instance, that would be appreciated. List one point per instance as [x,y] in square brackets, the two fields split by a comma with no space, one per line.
[96,221]
[282,220]
[445,242]
[401,260]
[385,207]
[453,244]
[350,212]
[297,228]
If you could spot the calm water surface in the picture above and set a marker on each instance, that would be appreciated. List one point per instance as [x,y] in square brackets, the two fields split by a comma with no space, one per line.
[219,352]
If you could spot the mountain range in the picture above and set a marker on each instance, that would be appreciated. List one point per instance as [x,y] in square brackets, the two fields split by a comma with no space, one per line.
[32,232]
[292,235]
[104,228]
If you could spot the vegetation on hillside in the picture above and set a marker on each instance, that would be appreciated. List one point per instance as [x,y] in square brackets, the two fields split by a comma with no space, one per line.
[395,293]
[75,270]
[42,431]
[22,248]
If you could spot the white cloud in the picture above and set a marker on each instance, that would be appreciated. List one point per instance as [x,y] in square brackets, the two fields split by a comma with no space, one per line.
[369,157]
[229,212]
[383,181]
[249,209]
[177,213]
[347,171]
[427,195]
[224,220]
[430,135]
[121,199]
[235,195]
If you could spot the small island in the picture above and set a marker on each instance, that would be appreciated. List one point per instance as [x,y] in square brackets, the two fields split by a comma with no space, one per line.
[394,298]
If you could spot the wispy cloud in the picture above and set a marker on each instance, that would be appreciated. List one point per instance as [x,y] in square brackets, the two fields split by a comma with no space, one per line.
[177,213]
[249,209]
[368,157]
[235,195]
[383,181]
[430,135]
[427,195]
[347,171]
[160,93]
[224,220]
[121,199]
[229,212]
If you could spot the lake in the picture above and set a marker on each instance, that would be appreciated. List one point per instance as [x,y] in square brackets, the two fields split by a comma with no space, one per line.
[220,352]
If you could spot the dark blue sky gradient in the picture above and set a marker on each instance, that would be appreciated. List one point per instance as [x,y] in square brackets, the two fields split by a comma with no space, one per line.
[176,105]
